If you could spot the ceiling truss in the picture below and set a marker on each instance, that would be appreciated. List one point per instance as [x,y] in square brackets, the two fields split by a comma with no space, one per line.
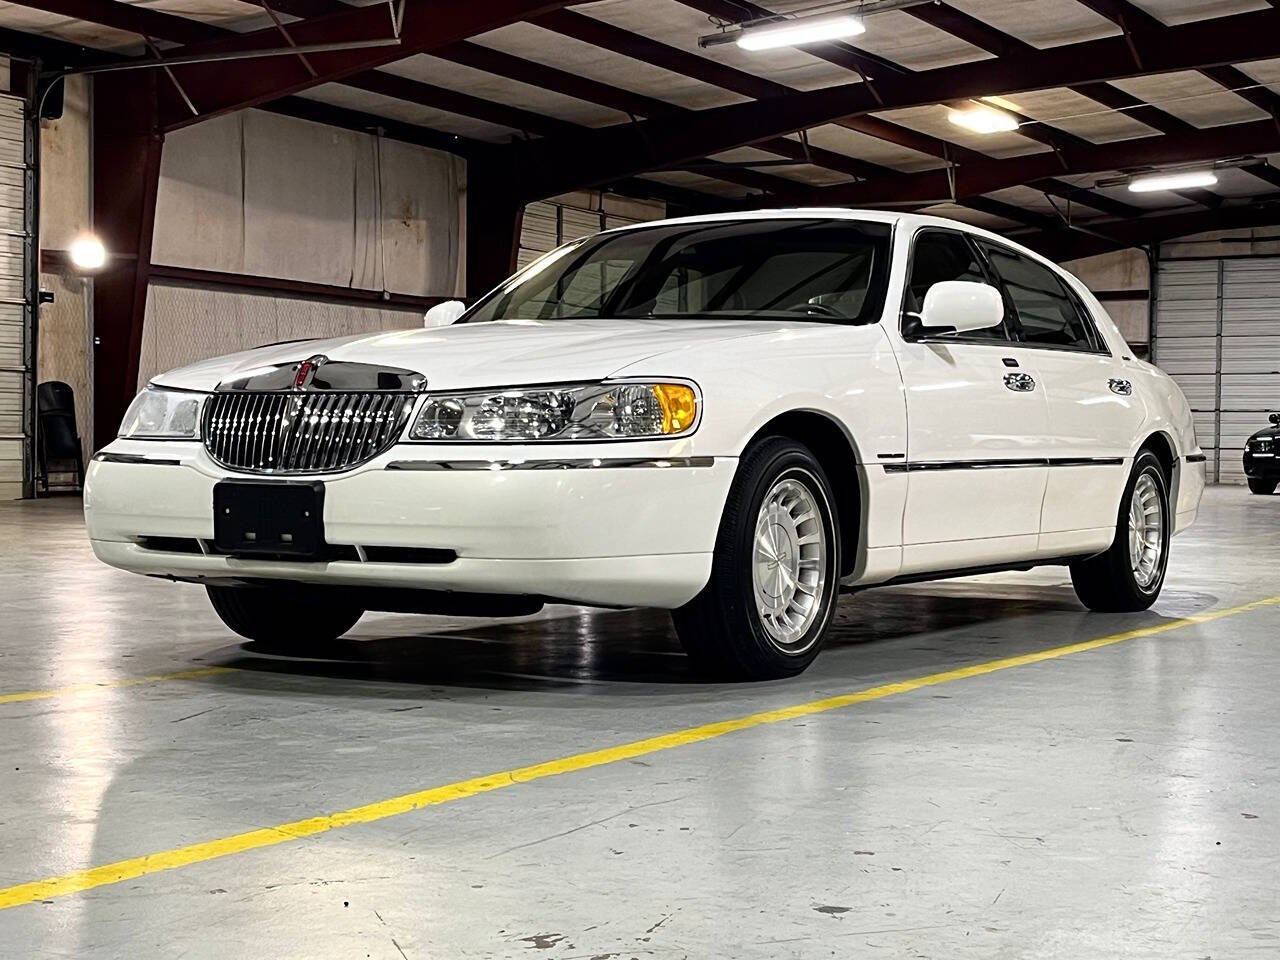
[550,155]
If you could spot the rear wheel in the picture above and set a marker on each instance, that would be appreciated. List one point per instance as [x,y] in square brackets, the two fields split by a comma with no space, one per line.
[1263,487]
[775,575]
[290,618]
[1129,576]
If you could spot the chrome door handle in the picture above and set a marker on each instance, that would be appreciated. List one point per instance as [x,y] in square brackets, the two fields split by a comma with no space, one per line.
[1123,387]
[1020,382]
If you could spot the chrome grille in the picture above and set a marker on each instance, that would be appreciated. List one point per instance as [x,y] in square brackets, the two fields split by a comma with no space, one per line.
[314,432]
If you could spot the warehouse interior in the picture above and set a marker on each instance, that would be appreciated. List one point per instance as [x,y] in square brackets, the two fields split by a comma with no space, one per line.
[975,767]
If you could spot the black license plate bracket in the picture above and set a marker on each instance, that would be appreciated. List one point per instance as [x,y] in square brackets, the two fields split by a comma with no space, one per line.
[255,518]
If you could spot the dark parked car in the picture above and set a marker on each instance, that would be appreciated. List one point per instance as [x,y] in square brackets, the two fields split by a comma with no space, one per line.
[1262,458]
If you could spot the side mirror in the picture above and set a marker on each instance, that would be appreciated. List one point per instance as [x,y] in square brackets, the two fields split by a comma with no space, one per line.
[961,306]
[443,314]
[1275,418]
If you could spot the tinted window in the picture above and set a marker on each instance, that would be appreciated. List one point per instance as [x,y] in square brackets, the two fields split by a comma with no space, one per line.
[938,256]
[1048,313]
[833,270]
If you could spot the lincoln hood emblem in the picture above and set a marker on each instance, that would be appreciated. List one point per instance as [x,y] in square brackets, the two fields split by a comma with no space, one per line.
[307,371]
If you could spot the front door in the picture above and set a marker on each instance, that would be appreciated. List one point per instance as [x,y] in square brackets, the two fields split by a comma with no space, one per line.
[977,423]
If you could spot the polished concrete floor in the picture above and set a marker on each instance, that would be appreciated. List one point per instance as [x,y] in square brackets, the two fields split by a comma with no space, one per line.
[1117,802]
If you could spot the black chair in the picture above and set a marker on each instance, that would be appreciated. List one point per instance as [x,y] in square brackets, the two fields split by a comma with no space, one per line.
[59,438]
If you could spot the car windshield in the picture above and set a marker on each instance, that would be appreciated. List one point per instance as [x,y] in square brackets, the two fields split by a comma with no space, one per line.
[806,269]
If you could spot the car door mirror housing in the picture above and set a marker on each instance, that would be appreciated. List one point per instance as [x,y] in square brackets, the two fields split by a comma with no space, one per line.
[443,314]
[961,306]
[1275,418]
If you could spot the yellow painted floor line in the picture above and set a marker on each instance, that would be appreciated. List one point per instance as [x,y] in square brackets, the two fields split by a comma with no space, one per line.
[193,674]
[135,867]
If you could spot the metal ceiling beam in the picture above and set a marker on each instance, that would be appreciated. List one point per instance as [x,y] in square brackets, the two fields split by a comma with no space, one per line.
[604,155]
[637,47]
[626,101]
[1264,171]
[149,23]
[1128,17]
[1262,211]
[427,24]
[398,87]
[986,37]
[319,112]
[1242,139]
[694,66]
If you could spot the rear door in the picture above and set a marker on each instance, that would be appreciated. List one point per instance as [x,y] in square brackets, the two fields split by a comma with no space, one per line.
[1093,414]
[976,425]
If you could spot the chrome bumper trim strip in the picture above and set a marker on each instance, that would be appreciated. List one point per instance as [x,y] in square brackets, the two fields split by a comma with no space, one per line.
[595,463]
[134,458]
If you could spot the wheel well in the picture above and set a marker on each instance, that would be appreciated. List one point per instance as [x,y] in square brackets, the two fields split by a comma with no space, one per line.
[1159,444]
[835,452]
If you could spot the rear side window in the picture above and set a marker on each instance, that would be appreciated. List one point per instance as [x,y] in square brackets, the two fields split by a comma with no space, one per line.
[940,255]
[1047,311]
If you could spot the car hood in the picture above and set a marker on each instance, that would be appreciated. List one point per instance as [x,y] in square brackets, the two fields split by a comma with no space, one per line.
[1267,433]
[504,353]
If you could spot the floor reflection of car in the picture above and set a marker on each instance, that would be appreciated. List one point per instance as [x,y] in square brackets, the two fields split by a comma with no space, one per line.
[732,417]
[1261,463]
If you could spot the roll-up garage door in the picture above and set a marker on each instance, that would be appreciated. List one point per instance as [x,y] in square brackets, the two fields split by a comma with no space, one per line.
[1250,355]
[547,224]
[1186,340]
[15,344]
[1218,334]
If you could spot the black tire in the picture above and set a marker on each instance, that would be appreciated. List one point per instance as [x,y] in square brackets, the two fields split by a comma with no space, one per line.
[288,618]
[721,629]
[1107,583]
[1263,488]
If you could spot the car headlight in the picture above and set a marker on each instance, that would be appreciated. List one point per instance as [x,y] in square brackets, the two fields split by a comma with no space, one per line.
[159,414]
[597,411]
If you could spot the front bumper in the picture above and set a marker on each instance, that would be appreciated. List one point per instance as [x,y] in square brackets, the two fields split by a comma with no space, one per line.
[1262,467]
[634,525]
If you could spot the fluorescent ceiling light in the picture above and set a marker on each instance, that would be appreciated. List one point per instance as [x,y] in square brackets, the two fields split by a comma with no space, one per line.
[793,33]
[1002,103]
[983,119]
[1173,181]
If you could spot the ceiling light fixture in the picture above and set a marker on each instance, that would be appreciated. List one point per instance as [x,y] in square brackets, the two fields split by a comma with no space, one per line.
[794,33]
[983,119]
[1181,180]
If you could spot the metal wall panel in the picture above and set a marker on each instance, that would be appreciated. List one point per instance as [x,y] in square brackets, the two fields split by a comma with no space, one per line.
[1218,334]
[15,315]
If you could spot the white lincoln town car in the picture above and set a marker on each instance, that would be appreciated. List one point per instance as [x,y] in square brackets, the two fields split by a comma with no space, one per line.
[735,417]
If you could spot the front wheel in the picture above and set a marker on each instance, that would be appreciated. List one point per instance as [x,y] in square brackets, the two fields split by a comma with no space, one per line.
[293,619]
[1129,576]
[1263,488]
[774,582]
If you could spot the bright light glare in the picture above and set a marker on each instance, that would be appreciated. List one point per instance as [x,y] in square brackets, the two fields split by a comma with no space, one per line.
[1174,181]
[796,32]
[87,252]
[982,119]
